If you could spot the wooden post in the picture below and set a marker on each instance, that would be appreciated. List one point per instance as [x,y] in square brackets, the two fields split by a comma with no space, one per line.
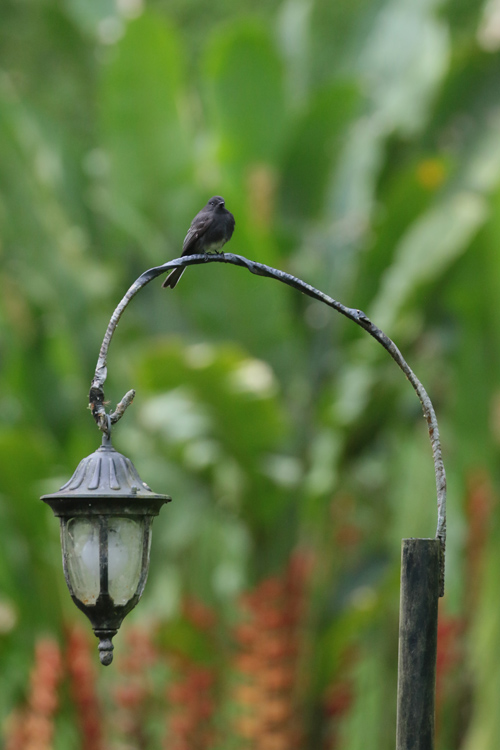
[420,560]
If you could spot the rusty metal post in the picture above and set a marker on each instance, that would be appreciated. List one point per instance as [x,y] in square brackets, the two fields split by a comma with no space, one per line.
[420,585]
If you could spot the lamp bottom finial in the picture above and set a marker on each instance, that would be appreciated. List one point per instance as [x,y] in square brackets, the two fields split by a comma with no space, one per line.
[106,647]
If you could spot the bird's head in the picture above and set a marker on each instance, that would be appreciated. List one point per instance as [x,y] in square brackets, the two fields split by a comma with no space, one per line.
[217,202]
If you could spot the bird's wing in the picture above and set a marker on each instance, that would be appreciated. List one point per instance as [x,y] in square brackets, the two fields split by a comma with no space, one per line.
[195,231]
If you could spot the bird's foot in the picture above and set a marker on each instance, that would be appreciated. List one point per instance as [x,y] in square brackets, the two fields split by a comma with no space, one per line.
[211,253]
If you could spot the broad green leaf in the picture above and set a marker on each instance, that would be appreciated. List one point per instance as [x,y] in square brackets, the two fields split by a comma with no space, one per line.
[404,194]
[313,150]
[441,234]
[141,112]
[339,33]
[429,246]
[246,97]
[404,61]
[361,727]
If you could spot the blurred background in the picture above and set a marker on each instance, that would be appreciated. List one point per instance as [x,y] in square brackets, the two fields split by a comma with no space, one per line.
[358,145]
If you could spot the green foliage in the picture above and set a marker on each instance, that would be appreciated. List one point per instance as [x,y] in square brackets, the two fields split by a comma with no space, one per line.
[141,106]
[313,150]
[245,85]
[357,144]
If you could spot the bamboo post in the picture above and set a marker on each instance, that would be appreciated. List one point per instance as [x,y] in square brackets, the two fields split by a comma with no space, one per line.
[420,588]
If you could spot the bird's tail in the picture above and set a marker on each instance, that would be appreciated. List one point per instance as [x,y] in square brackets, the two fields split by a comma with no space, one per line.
[173,278]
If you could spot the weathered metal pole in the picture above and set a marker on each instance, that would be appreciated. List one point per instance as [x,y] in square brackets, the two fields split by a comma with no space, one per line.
[422,567]
[420,588]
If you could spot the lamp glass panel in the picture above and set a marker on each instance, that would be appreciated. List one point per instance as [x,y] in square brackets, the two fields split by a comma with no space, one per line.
[81,545]
[125,545]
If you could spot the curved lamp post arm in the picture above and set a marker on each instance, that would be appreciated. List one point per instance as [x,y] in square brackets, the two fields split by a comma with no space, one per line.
[96,395]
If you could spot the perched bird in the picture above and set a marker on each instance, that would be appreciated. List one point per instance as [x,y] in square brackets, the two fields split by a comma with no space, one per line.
[210,229]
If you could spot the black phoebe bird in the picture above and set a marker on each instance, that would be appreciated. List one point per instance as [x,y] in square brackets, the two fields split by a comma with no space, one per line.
[209,231]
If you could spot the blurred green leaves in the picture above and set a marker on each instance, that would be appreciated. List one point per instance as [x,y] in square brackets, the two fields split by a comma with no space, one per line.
[221,409]
[357,144]
[145,127]
[246,95]
[314,148]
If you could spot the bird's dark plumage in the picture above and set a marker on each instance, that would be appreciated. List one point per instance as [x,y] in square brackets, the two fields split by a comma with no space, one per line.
[210,229]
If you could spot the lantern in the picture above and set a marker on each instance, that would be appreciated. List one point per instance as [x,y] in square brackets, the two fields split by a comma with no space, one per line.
[106,513]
